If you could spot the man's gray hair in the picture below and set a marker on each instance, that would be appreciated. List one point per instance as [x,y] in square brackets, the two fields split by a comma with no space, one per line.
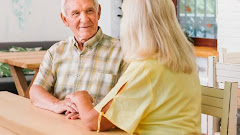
[63,6]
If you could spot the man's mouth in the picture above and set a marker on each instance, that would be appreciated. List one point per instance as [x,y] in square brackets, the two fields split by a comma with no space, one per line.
[85,26]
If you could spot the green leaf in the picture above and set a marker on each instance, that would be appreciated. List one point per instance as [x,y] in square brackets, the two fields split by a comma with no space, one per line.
[4,51]
[5,70]
[17,49]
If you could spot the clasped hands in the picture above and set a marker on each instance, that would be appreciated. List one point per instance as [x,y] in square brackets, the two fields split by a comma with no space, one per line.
[72,103]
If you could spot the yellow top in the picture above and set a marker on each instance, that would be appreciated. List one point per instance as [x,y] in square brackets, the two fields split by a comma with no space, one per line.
[155,101]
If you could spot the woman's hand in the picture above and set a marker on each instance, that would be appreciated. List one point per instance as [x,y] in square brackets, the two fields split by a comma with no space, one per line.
[82,100]
[80,96]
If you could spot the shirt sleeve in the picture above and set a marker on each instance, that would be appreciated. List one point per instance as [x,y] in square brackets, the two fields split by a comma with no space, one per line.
[45,77]
[130,104]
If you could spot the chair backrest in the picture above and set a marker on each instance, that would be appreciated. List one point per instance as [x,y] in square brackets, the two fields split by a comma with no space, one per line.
[227,68]
[222,104]
[228,57]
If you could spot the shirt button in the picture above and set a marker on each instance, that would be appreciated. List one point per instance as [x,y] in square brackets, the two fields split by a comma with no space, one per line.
[81,55]
[78,75]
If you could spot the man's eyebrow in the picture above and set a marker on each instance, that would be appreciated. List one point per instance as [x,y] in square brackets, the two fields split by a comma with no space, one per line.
[74,11]
[90,8]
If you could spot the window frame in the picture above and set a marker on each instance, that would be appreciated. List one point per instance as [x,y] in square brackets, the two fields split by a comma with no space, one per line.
[201,41]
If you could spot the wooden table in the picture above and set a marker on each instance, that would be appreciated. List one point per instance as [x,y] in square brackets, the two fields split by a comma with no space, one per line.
[5,131]
[19,117]
[19,60]
[203,51]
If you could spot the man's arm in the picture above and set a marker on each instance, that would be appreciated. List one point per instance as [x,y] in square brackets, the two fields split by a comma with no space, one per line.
[42,99]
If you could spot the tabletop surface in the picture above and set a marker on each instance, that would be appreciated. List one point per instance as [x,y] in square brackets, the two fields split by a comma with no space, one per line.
[19,116]
[202,51]
[29,60]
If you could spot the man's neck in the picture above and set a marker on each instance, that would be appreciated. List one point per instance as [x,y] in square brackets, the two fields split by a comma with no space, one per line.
[80,44]
[82,41]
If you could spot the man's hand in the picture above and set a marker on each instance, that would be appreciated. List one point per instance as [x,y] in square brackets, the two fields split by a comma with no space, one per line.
[64,105]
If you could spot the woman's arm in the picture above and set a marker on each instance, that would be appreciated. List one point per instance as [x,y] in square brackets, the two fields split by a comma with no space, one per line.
[89,116]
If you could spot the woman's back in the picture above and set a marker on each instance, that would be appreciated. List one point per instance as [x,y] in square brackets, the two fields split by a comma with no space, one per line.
[154,100]
[176,101]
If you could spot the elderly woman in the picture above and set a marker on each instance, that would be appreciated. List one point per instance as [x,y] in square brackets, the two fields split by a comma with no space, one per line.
[159,93]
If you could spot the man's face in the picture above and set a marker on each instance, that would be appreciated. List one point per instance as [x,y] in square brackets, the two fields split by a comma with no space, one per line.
[82,18]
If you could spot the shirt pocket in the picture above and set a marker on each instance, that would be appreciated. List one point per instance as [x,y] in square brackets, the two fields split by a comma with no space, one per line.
[101,84]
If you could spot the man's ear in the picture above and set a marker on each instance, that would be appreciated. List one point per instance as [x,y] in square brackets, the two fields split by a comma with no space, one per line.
[64,20]
[99,11]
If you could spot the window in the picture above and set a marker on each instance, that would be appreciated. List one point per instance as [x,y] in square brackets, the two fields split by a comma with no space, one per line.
[198,19]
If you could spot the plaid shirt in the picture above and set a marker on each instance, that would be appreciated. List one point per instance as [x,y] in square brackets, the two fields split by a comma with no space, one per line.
[66,69]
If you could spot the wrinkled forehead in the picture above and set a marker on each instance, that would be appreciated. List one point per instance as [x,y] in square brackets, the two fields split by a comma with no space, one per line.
[79,5]
[81,2]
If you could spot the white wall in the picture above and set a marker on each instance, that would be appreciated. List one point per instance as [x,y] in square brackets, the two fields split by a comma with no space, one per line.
[31,20]
[34,20]
[229,25]
[109,22]
[105,19]
[115,19]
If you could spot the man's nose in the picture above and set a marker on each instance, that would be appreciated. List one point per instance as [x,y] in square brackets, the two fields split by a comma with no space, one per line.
[84,18]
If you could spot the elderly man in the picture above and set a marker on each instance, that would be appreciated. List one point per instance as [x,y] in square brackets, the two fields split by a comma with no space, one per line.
[88,61]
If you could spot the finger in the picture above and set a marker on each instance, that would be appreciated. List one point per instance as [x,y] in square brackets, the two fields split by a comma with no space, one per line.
[67,112]
[70,115]
[74,117]
[70,104]
[70,109]
[60,111]
[74,107]
[68,96]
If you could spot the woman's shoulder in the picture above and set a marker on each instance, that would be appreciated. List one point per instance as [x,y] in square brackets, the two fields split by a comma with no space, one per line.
[144,68]
[154,67]
[149,65]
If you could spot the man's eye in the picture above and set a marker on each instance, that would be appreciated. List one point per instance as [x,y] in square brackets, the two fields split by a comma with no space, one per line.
[90,11]
[76,13]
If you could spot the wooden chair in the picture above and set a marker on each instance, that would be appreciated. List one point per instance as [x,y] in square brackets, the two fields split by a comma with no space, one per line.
[222,104]
[228,67]
[228,57]
[207,72]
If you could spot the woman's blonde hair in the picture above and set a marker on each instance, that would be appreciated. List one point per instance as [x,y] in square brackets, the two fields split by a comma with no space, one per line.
[150,29]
